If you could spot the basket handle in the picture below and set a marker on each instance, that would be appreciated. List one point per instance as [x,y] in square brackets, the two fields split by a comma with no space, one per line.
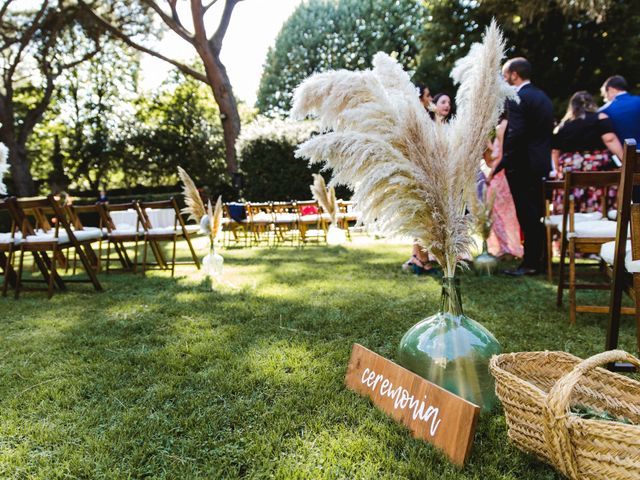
[556,431]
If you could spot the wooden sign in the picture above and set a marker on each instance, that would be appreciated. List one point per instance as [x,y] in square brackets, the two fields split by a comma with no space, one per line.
[430,412]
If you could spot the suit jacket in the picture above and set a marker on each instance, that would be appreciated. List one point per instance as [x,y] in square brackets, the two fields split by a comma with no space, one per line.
[624,112]
[527,141]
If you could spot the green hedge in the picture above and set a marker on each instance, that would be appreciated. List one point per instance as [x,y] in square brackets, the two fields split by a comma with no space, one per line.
[268,163]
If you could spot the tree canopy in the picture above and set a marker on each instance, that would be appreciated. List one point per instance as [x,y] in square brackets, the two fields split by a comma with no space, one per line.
[332,34]
[570,48]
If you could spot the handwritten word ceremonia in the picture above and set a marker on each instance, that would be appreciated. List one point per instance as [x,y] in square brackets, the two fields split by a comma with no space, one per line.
[402,399]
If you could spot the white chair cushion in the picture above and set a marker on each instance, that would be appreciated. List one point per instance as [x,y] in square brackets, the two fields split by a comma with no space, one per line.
[165,231]
[556,220]
[88,234]
[192,228]
[309,218]
[7,238]
[607,252]
[262,218]
[126,231]
[286,217]
[47,237]
[594,229]
[612,215]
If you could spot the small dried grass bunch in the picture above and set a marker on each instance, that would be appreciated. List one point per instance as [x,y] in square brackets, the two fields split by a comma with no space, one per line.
[326,197]
[410,174]
[209,218]
[4,167]
[481,208]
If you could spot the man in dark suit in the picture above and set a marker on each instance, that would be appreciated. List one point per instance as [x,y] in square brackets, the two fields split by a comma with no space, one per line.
[526,159]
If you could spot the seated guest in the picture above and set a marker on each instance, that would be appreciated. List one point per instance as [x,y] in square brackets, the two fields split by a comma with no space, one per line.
[584,141]
[622,108]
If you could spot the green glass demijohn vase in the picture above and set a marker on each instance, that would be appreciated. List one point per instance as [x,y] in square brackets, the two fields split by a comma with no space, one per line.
[485,263]
[452,350]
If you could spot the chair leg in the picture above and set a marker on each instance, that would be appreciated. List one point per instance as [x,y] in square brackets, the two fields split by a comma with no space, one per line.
[108,255]
[549,254]
[173,257]
[135,256]
[563,254]
[144,258]
[19,279]
[52,274]
[572,282]
[7,265]
[636,298]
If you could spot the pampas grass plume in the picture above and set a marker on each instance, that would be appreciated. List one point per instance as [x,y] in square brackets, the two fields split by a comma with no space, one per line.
[195,207]
[410,174]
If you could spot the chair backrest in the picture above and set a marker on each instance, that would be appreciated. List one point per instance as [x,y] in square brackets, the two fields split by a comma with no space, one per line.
[148,218]
[31,214]
[582,180]
[107,209]
[548,187]
[259,210]
[5,211]
[76,212]
[306,206]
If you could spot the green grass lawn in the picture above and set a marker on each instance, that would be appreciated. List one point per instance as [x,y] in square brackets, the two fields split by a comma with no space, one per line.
[165,378]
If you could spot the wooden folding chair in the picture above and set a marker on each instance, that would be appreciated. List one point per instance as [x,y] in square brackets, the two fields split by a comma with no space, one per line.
[155,234]
[553,219]
[310,220]
[586,237]
[91,213]
[9,242]
[40,242]
[119,234]
[238,228]
[285,220]
[261,220]
[623,256]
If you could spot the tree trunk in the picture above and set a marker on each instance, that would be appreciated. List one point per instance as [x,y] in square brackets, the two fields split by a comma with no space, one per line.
[223,95]
[20,171]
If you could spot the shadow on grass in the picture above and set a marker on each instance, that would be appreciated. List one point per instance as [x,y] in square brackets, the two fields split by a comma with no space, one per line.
[165,378]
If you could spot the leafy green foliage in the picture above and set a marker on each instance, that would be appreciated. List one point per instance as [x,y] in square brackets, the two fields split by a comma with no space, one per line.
[569,49]
[178,125]
[270,168]
[332,34]
[162,378]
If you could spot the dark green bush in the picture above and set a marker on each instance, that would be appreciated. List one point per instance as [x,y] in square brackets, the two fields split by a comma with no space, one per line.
[268,163]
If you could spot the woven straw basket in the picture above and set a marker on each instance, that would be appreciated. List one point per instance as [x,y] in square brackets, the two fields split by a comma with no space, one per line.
[537,390]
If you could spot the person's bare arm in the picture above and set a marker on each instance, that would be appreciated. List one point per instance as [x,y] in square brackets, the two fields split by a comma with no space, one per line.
[611,140]
[555,157]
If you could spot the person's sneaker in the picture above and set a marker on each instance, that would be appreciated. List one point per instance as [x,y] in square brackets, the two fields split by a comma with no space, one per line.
[521,271]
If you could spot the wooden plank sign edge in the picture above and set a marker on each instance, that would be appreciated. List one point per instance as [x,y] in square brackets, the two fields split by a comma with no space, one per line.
[430,412]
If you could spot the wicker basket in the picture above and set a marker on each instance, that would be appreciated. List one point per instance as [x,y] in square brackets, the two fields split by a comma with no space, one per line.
[537,390]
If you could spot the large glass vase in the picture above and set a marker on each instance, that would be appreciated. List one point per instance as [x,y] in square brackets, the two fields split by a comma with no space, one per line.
[452,350]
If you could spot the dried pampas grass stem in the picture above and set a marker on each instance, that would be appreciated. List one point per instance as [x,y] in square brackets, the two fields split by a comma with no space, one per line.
[195,207]
[326,197]
[410,174]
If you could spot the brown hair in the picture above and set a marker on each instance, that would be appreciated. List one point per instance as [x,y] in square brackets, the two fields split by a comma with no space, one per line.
[581,102]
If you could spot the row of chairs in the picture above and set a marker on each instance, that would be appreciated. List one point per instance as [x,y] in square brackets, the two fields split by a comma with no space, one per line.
[273,223]
[55,236]
[613,237]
